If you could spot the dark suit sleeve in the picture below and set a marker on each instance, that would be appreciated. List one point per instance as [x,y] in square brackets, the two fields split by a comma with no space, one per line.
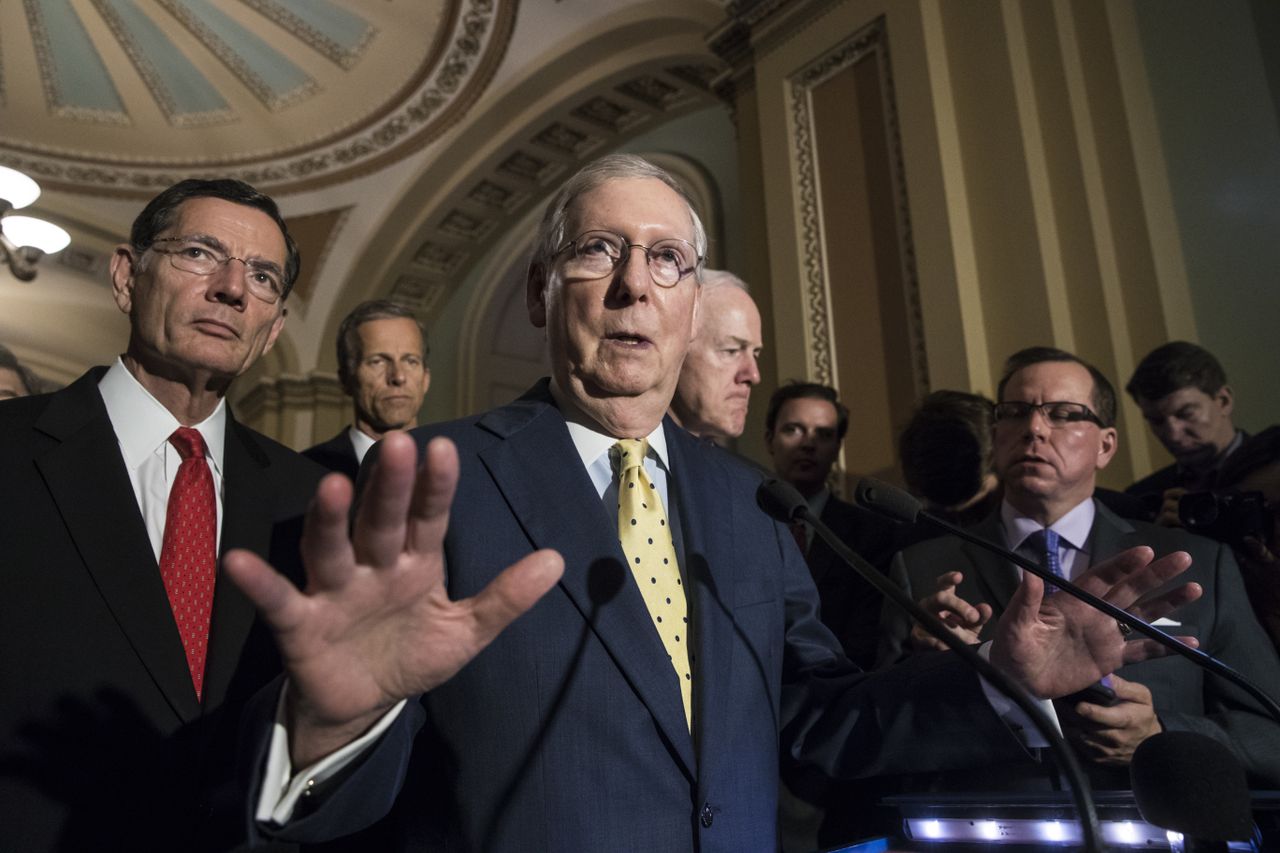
[927,714]
[1230,715]
[895,625]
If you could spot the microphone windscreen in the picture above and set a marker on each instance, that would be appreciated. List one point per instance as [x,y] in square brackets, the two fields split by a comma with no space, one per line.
[1193,784]
[886,499]
[780,500]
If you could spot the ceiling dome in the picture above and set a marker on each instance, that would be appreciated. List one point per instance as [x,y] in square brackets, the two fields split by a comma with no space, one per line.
[127,96]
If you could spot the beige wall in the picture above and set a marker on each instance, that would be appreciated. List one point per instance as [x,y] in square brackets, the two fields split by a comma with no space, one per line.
[1027,183]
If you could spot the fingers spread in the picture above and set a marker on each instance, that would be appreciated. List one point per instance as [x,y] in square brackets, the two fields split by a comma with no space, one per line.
[433,492]
[379,535]
[1140,650]
[513,592]
[276,598]
[1168,602]
[326,544]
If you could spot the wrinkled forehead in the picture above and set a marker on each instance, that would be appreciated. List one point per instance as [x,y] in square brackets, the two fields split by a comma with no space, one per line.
[238,227]
[636,208]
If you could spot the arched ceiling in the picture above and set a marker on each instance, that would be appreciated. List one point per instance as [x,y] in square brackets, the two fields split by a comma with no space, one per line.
[401,137]
[126,96]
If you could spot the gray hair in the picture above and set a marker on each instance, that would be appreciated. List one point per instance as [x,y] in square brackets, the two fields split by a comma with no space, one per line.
[722,278]
[551,236]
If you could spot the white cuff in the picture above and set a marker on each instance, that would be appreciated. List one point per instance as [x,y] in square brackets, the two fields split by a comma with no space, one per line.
[281,788]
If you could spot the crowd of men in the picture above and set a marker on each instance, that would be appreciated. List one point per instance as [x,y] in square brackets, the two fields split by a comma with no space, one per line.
[564,623]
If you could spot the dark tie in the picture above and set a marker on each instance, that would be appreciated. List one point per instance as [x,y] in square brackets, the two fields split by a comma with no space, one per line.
[1044,544]
[187,556]
[801,536]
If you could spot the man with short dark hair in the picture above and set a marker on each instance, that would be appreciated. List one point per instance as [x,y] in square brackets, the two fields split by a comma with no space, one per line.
[1184,396]
[804,426]
[722,366]
[382,366]
[661,654]
[1055,429]
[125,657]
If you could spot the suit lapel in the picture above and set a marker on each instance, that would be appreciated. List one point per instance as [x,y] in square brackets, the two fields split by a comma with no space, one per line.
[996,577]
[87,479]
[248,517]
[538,471]
[702,486]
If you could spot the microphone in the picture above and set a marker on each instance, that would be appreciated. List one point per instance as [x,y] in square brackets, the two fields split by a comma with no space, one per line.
[896,504]
[1190,783]
[781,501]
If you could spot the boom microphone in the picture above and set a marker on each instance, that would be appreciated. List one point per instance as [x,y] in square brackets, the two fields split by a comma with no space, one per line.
[896,504]
[782,502]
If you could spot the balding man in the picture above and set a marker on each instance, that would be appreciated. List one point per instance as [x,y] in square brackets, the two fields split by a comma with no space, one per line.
[723,362]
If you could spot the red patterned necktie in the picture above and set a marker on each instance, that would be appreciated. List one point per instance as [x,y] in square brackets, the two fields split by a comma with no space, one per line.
[187,556]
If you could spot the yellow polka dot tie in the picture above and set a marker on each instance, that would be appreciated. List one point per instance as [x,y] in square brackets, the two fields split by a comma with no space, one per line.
[646,540]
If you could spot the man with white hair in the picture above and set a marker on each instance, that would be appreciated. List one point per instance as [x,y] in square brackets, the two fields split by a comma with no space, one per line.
[723,362]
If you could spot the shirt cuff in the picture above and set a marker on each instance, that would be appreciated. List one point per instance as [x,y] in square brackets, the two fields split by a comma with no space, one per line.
[282,788]
[1014,717]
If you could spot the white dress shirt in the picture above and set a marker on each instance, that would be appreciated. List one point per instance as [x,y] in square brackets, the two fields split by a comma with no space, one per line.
[143,426]
[360,442]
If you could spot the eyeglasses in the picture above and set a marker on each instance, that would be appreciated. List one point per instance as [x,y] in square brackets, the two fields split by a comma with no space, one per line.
[597,254]
[261,278]
[1058,414]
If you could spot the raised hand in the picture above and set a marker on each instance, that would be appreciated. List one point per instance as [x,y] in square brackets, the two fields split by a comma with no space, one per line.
[1057,644]
[964,619]
[375,623]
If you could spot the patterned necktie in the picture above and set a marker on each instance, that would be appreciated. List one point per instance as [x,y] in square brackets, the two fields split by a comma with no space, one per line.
[646,540]
[1045,545]
[187,557]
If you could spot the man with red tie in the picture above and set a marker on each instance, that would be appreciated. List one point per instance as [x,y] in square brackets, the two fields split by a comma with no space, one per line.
[124,658]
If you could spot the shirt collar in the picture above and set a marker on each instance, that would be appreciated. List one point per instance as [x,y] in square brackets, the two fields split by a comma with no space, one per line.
[360,442]
[818,502]
[1072,529]
[143,425]
[591,444]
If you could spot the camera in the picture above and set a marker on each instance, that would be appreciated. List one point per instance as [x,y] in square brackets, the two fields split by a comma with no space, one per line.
[1226,516]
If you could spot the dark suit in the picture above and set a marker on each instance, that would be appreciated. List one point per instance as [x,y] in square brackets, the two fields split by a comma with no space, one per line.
[568,732]
[103,744]
[336,454]
[1185,698]
[850,606]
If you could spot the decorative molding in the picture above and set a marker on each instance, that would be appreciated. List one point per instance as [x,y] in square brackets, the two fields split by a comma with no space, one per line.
[230,56]
[49,78]
[472,50]
[343,57]
[868,43]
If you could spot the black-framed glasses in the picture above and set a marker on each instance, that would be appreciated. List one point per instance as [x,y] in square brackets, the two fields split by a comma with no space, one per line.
[597,254]
[1058,414]
[190,254]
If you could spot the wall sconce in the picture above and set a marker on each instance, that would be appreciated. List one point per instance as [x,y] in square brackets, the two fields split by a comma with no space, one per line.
[24,240]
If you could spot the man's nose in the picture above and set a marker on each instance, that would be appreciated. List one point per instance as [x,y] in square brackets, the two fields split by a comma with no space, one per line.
[749,372]
[227,283]
[632,278]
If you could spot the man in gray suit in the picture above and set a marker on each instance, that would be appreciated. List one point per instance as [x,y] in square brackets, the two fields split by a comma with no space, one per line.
[1054,431]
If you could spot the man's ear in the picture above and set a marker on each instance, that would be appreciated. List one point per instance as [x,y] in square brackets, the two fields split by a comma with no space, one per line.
[124,270]
[535,295]
[276,326]
[1108,446]
[1226,399]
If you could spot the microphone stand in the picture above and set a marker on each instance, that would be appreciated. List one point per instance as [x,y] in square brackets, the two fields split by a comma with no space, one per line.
[781,501]
[902,507]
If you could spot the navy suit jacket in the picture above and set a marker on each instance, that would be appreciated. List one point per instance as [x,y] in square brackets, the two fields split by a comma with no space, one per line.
[336,454]
[568,733]
[1185,697]
[103,744]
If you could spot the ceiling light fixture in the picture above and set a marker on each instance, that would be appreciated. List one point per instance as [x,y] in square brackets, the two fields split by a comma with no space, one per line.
[24,240]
